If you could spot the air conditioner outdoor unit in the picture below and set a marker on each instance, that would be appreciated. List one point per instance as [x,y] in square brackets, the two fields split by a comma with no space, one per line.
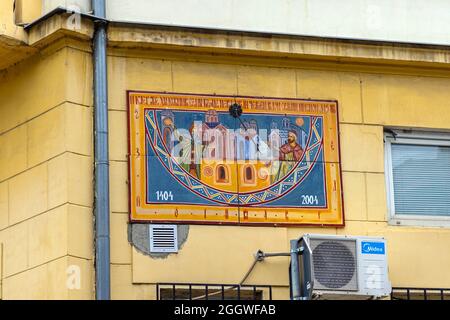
[348,267]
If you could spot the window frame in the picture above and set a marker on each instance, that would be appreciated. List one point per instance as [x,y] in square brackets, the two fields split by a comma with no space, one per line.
[415,138]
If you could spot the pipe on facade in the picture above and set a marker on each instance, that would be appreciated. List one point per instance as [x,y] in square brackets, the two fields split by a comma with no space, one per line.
[101,184]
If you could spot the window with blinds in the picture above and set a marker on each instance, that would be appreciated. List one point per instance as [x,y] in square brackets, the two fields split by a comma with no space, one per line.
[421,179]
[418,176]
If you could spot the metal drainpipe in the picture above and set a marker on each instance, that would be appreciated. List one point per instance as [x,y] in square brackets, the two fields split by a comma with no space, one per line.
[101,191]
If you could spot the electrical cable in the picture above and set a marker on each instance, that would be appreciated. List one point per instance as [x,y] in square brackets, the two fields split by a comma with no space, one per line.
[259,257]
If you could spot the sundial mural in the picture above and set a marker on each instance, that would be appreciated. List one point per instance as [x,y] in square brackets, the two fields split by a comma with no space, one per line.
[193,162]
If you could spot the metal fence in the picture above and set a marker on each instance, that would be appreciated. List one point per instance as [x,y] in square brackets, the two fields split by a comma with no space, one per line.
[195,291]
[420,294]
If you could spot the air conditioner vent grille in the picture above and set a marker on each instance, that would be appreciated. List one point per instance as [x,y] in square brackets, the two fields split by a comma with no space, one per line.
[163,239]
[335,264]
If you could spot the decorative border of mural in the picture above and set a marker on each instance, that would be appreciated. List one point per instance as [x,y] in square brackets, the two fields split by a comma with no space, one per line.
[141,211]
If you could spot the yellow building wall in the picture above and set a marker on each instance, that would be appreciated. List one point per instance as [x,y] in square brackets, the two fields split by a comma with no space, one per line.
[369,99]
[12,37]
[16,13]
[46,164]
[46,168]
[8,28]
[27,11]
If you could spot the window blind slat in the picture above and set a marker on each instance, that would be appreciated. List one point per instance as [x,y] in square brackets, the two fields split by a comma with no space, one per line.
[421,179]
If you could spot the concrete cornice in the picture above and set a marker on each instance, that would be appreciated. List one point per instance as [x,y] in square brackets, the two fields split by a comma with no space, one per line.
[44,34]
[123,36]
[279,46]
[59,26]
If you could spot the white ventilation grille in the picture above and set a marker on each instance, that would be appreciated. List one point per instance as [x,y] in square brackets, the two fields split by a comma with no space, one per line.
[163,239]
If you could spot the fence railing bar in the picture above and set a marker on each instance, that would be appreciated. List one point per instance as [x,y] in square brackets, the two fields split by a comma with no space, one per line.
[191,291]
[419,293]
[157,292]
[252,291]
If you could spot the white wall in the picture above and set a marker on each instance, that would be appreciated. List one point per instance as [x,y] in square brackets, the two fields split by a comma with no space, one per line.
[83,6]
[419,21]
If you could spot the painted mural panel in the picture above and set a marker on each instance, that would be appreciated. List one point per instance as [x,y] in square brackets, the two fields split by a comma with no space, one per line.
[191,161]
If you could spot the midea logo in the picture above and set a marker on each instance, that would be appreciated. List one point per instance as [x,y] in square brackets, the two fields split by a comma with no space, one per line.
[373,247]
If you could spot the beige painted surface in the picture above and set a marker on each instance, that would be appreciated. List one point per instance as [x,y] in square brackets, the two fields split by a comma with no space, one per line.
[406,101]
[27,11]
[1,271]
[46,164]
[8,28]
[49,281]
[13,38]
[218,254]
[46,217]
